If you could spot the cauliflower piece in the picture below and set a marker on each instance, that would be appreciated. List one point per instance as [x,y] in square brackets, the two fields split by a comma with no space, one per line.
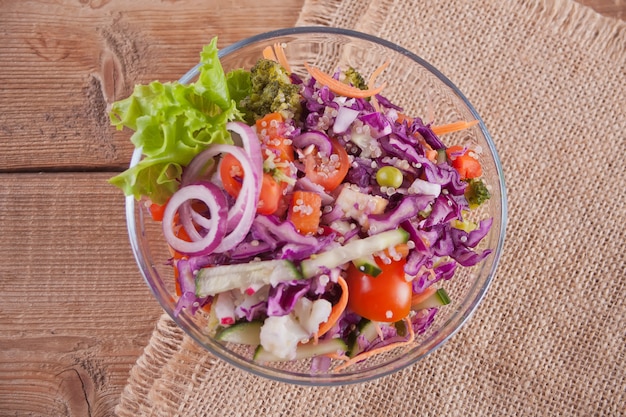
[280,335]
[310,314]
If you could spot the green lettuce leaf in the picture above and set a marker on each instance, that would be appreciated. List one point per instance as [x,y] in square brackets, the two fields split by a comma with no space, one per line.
[172,123]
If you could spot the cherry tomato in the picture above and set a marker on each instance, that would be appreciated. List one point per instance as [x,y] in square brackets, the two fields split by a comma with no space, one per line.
[328,172]
[386,298]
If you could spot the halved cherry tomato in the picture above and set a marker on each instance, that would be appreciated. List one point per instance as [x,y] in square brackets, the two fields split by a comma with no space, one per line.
[330,171]
[467,166]
[386,298]
[305,211]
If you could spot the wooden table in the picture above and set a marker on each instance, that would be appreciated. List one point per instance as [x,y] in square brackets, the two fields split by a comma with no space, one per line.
[74,311]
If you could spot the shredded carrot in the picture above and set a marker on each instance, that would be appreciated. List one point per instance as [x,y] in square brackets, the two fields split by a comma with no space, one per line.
[282,58]
[376,73]
[337,356]
[401,250]
[453,127]
[403,117]
[268,53]
[372,82]
[336,312]
[418,298]
[340,88]
[370,353]
[431,154]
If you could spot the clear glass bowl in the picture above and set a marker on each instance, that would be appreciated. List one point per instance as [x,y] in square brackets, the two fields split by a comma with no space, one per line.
[423,91]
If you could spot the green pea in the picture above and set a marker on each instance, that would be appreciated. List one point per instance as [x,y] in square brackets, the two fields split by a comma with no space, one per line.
[389,176]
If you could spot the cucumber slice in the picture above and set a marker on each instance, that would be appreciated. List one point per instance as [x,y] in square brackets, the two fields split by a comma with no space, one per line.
[438,299]
[367,265]
[245,333]
[308,350]
[354,249]
[217,279]
[366,329]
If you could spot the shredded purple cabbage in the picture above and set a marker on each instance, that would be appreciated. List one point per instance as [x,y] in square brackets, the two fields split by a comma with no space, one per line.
[284,296]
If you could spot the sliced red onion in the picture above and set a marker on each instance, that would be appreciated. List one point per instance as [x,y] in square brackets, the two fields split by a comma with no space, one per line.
[215,201]
[319,139]
[305,184]
[345,117]
[250,142]
[241,214]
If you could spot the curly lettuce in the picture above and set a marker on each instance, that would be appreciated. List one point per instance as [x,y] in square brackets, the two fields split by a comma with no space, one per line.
[173,122]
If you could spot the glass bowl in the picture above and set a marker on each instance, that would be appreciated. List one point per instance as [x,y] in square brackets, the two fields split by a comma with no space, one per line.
[423,91]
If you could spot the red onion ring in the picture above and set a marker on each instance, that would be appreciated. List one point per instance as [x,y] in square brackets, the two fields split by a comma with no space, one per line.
[319,139]
[215,201]
[241,214]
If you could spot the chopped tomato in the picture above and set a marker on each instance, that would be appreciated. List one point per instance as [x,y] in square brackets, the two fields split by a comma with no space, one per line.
[271,131]
[386,298]
[156,211]
[271,194]
[467,166]
[231,174]
[305,211]
[330,171]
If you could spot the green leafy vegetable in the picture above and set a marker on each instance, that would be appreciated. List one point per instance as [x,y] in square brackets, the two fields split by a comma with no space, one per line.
[173,122]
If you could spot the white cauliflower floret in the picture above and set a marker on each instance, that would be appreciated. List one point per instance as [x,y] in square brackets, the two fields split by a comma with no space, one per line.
[311,314]
[280,335]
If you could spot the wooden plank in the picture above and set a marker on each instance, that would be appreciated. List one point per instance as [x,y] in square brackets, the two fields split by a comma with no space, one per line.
[62,63]
[74,311]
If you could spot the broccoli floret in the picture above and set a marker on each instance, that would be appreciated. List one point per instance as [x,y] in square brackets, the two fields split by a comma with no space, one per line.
[476,192]
[272,91]
[353,77]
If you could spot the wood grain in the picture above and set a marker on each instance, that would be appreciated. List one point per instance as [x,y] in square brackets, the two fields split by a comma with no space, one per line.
[79,310]
[75,57]
[74,311]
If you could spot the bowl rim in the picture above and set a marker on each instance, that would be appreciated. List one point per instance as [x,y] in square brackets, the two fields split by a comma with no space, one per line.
[349,377]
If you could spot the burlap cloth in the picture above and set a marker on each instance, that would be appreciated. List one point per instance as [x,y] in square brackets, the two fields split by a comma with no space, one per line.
[549,78]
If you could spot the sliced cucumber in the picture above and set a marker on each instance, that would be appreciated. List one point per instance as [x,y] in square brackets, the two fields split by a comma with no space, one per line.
[245,333]
[217,279]
[354,249]
[367,265]
[307,350]
[438,299]
[366,329]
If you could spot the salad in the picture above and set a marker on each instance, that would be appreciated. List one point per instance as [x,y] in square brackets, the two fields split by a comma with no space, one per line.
[306,214]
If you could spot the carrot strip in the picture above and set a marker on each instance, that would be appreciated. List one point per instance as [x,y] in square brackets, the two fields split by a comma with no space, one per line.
[373,352]
[337,356]
[376,73]
[268,53]
[372,81]
[282,58]
[340,88]
[453,127]
[336,311]
[418,298]
[403,117]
